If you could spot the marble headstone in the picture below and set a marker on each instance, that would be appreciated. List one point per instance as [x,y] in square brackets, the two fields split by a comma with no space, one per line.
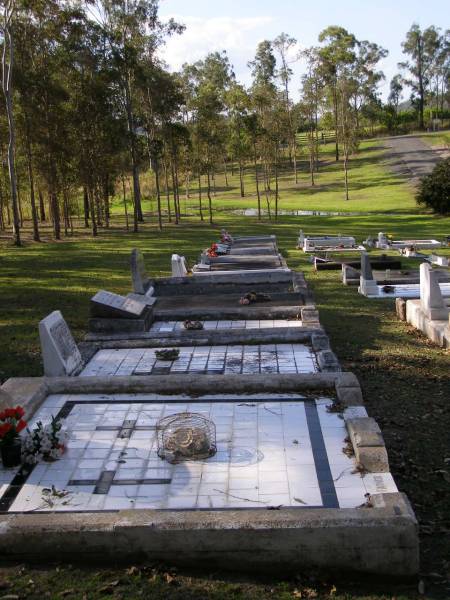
[113,306]
[382,240]
[431,300]
[59,350]
[178,266]
[367,284]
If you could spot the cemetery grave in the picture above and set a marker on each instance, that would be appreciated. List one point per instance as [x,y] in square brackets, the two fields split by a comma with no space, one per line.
[327,243]
[384,242]
[431,313]
[295,463]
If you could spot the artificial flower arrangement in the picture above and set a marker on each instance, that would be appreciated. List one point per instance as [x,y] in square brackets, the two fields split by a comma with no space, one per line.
[212,251]
[11,424]
[45,442]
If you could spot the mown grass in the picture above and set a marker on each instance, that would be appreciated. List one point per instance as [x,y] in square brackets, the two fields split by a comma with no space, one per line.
[373,187]
[405,380]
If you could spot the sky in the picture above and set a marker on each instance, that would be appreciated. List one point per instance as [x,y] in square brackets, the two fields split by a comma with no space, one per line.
[237,26]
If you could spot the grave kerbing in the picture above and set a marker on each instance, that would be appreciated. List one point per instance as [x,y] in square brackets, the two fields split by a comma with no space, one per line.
[60,353]
[178,266]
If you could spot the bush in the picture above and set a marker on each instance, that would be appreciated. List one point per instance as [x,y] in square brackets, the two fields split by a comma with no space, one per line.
[434,189]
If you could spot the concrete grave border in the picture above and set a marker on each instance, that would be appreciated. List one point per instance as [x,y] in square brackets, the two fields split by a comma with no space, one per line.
[380,539]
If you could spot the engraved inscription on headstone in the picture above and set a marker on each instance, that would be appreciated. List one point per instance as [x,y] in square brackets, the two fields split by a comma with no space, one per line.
[63,338]
[59,350]
[109,305]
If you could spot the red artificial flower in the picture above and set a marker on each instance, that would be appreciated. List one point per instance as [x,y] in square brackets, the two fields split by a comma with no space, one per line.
[19,412]
[20,425]
[4,429]
[2,415]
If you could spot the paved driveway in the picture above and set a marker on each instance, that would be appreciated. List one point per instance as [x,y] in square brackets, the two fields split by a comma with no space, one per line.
[411,156]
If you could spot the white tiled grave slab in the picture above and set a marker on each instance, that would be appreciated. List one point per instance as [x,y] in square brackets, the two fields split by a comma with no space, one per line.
[272,450]
[408,291]
[171,326]
[269,358]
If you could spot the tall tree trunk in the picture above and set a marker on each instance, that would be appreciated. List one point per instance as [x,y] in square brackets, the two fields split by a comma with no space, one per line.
[31,184]
[132,134]
[241,178]
[86,207]
[66,213]
[166,187]
[55,215]
[200,196]
[256,181]
[276,184]
[124,193]
[174,191]
[335,110]
[158,193]
[7,69]
[346,174]
[225,171]
[92,211]
[41,206]
[106,200]
[209,196]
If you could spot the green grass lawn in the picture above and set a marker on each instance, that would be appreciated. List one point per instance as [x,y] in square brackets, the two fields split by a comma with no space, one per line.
[405,379]
[439,139]
[373,188]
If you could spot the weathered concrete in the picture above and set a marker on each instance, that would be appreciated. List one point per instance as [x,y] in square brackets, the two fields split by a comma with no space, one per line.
[400,308]
[435,330]
[379,540]
[60,353]
[211,337]
[368,444]
[264,310]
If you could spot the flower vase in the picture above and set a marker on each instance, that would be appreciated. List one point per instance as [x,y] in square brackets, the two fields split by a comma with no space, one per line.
[11,453]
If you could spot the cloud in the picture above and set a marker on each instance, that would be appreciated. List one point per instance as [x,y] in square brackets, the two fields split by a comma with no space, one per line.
[238,36]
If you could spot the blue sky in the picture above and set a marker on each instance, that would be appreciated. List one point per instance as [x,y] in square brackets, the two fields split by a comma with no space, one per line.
[238,26]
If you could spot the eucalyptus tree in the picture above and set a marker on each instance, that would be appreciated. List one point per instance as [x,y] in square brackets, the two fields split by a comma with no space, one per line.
[311,98]
[7,17]
[422,47]
[336,54]
[364,76]
[284,44]
[133,31]
[237,102]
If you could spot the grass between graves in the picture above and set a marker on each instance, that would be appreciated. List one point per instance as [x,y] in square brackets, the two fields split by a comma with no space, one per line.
[405,380]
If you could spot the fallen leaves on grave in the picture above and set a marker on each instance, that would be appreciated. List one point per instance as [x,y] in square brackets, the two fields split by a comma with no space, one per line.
[300,501]
[109,587]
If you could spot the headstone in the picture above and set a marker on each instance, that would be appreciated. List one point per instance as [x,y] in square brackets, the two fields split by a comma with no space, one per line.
[178,266]
[442,261]
[59,350]
[140,279]
[367,284]
[301,239]
[431,300]
[112,306]
[382,240]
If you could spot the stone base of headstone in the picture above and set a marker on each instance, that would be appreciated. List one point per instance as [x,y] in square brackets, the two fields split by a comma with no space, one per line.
[368,287]
[148,300]
[400,308]
[108,325]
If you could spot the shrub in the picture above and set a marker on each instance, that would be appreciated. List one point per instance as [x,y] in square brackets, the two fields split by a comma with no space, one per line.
[434,189]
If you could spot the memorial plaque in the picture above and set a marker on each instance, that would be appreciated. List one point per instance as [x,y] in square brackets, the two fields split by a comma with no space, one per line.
[109,305]
[59,350]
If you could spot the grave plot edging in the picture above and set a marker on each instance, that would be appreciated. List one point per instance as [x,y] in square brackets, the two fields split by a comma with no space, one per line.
[378,540]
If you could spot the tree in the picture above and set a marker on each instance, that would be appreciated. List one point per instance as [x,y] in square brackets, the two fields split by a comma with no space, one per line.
[335,55]
[422,48]
[283,44]
[8,11]
[434,189]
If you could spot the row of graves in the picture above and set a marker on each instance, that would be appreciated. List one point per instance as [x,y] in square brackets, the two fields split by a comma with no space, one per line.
[422,294]
[204,420]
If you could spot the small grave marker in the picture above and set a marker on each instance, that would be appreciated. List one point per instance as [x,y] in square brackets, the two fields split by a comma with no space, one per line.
[431,300]
[112,306]
[59,350]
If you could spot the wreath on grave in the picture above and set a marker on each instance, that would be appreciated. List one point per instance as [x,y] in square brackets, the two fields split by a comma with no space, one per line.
[167,354]
[212,251]
[252,297]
